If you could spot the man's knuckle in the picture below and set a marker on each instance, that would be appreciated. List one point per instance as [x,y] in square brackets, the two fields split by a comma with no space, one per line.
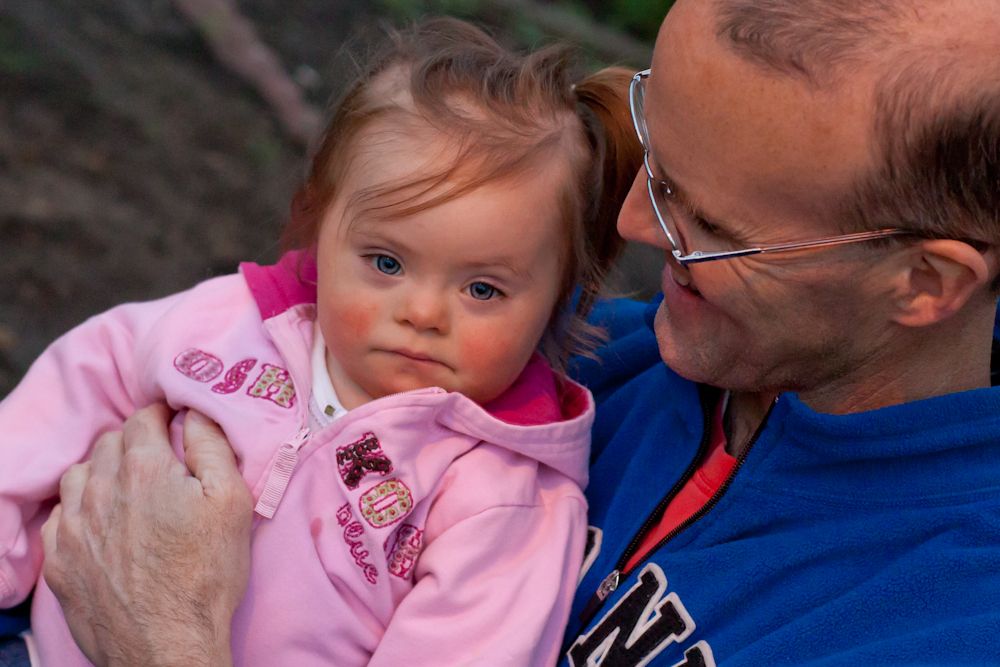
[54,575]
[135,463]
[74,475]
[236,498]
[106,440]
[96,497]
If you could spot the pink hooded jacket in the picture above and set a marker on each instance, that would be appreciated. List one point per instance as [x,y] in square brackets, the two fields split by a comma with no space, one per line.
[419,529]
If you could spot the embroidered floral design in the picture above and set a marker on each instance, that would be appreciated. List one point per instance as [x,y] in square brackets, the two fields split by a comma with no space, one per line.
[385,503]
[198,365]
[353,532]
[402,549]
[274,384]
[234,377]
[360,458]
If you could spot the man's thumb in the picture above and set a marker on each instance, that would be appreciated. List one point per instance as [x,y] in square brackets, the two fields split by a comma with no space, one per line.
[207,452]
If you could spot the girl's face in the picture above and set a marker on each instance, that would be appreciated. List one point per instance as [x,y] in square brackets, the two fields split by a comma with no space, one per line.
[456,296]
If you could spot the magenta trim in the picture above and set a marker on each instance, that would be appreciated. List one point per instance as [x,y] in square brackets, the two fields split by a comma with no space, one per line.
[278,287]
[534,398]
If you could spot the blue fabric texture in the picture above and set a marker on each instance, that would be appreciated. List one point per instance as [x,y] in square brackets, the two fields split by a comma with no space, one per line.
[869,538]
[14,621]
[14,653]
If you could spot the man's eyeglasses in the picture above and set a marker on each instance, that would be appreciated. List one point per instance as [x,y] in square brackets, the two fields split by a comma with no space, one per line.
[698,232]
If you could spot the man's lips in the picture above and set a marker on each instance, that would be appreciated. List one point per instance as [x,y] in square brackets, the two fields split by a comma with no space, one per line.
[680,281]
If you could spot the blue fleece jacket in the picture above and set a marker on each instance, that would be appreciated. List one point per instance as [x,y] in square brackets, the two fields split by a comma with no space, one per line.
[870,538]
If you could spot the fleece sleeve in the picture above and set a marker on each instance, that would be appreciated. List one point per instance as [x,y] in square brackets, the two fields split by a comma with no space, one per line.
[82,386]
[494,589]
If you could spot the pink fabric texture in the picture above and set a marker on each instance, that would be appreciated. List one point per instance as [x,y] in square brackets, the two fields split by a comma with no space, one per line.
[420,529]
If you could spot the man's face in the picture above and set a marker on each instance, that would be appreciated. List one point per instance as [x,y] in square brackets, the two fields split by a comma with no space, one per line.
[763,158]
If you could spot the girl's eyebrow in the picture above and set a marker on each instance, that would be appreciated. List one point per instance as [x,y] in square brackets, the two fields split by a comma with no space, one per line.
[504,263]
[371,233]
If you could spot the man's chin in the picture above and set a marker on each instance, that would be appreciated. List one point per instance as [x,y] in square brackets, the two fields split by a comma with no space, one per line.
[676,350]
[705,368]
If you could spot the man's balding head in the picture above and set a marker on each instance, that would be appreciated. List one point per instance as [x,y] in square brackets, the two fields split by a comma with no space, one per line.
[935,69]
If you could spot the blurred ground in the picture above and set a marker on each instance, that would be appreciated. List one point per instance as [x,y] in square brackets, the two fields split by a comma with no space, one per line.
[133,164]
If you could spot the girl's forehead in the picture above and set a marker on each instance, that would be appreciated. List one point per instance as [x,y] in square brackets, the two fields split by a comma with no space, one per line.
[389,150]
[511,229]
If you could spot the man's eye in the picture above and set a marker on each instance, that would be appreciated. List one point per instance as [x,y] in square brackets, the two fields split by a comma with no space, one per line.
[386,264]
[706,226]
[483,291]
[666,190]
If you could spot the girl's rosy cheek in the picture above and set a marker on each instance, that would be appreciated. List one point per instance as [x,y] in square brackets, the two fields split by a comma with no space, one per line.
[487,351]
[354,320]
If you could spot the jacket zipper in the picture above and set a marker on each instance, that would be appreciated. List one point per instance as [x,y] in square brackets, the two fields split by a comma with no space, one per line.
[610,583]
[280,473]
[282,467]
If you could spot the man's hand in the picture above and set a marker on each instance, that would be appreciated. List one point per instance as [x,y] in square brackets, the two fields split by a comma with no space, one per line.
[149,560]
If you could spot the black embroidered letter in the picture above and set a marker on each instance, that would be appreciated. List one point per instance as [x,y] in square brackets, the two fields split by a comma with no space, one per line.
[650,619]
[699,655]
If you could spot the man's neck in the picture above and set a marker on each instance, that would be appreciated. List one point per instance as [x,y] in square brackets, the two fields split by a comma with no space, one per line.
[953,359]
[745,414]
[956,359]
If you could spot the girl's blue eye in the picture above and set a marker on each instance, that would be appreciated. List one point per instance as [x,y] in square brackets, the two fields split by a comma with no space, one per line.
[483,291]
[387,265]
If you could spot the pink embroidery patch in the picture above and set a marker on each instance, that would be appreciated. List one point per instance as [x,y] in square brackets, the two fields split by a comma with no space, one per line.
[402,549]
[198,365]
[385,503]
[353,531]
[361,457]
[274,384]
[235,377]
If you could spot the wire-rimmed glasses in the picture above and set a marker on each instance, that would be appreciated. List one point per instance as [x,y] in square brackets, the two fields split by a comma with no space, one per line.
[668,210]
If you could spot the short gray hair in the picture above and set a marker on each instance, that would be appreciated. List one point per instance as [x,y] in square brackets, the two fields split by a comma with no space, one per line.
[936,121]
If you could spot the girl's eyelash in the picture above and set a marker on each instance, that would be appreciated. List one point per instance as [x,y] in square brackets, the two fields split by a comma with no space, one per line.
[384,263]
[491,292]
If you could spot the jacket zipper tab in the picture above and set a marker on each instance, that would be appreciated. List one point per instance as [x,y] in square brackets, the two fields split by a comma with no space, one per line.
[280,473]
[608,586]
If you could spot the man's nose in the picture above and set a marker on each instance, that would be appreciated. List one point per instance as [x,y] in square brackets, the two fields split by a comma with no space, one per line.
[425,309]
[637,220]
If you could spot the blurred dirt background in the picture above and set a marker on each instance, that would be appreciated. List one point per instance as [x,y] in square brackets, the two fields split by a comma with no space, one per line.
[147,144]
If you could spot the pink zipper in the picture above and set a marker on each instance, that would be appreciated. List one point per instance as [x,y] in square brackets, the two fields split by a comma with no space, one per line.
[279,474]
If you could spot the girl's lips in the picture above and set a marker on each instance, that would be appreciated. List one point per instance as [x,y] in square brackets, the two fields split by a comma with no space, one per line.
[417,357]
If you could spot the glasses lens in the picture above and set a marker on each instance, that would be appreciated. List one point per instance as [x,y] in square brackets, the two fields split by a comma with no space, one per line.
[665,208]
[637,104]
[664,203]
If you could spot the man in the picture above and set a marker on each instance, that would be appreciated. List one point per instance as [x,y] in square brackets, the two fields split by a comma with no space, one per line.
[824,179]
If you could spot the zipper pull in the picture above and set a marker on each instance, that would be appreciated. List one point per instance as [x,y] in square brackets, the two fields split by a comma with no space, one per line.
[279,474]
[607,587]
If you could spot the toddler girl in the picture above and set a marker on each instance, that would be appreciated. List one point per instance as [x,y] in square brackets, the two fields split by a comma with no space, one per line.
[388,387]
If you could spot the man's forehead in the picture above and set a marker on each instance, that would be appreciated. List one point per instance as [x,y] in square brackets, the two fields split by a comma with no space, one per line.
[721,125]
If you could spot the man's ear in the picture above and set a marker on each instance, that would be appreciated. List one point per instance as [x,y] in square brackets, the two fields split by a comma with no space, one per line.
[940,277]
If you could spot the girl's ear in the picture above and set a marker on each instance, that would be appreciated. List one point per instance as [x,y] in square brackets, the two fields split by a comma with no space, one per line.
[939,278]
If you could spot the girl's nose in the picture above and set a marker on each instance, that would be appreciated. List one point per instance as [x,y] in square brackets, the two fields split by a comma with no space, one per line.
[424,309]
